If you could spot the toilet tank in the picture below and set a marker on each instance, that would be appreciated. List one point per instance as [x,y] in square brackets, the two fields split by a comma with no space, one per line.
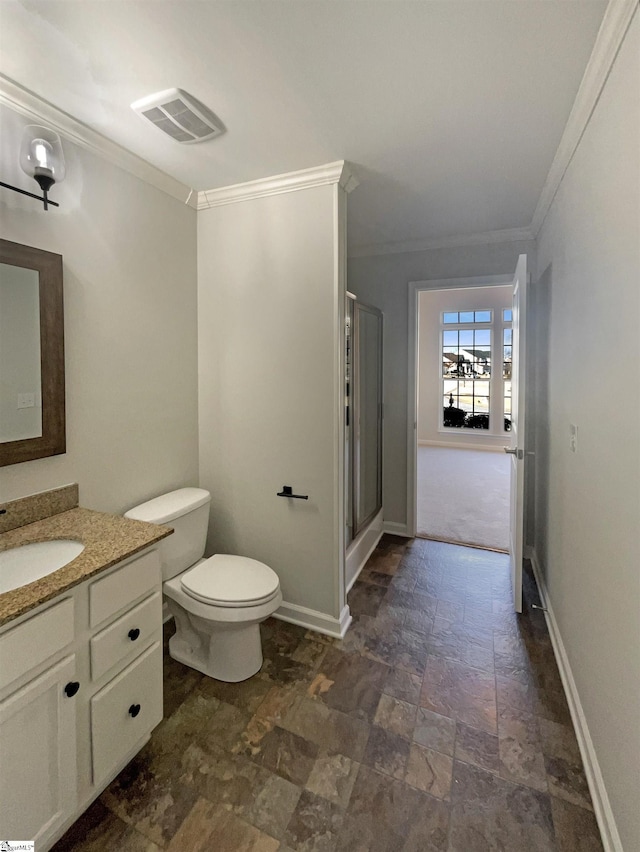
[187,511]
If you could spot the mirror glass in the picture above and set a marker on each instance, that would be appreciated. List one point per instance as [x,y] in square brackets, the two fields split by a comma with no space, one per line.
[20,377]
[32,409]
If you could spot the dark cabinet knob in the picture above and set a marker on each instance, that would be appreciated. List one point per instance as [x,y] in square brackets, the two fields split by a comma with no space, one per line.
[134,710]
[134,633]
[71,688]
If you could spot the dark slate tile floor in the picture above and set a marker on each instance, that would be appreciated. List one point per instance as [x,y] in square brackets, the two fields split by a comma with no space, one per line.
[438,724]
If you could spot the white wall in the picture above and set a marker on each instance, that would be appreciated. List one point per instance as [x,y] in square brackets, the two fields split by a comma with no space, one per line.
[269,310]
[129,253]
[588,321]
[383,281]
[431,305]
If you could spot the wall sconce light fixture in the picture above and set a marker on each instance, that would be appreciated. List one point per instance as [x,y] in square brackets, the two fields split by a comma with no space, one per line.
[42,158]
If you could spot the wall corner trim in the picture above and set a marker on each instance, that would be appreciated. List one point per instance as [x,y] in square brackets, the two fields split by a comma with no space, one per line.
[36,109]
[339,173]
[601,805]
[613,28]
[313,619]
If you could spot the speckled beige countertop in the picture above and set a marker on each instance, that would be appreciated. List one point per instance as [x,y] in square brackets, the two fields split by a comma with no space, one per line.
[107,540]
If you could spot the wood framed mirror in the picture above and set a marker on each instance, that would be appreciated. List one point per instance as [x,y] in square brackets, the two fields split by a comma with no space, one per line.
[32,390]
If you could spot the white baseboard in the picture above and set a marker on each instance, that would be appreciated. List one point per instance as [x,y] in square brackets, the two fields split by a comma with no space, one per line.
[457,445]
[601,805]
[315,620]
[394,528]
[361,549]
[311,618]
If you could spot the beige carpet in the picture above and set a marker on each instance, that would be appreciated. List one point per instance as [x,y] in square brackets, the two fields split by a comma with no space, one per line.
[463,496]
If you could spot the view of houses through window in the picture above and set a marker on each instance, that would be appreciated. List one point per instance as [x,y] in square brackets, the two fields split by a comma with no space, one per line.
[466,369]
[506,369]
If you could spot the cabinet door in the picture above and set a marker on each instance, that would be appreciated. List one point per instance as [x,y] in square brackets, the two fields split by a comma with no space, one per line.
[38,756]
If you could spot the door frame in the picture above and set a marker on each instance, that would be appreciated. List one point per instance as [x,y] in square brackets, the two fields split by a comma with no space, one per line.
[415,288]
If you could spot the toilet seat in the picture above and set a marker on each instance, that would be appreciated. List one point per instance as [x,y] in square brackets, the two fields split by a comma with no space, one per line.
[231,581]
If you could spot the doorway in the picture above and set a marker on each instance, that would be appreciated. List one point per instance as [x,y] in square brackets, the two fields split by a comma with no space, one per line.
[464,415]
[516,436]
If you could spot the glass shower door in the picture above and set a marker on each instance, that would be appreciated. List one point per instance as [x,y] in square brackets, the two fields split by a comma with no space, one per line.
[364,416]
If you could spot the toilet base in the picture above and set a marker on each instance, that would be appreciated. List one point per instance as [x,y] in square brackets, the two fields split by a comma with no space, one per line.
[230,652]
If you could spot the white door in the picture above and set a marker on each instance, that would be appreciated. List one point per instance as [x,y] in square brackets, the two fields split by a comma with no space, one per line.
[516,531]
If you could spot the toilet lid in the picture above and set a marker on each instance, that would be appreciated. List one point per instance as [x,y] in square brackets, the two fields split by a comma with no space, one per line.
[225,580]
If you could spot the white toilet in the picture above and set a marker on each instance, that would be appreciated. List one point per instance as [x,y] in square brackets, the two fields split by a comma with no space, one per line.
[218,603]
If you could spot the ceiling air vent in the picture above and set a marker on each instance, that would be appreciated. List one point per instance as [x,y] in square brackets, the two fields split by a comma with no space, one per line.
[179,115]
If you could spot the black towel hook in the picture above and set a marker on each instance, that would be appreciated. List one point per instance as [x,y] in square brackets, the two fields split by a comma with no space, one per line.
[287,491]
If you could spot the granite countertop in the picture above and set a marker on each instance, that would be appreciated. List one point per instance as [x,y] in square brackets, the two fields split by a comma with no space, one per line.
[107,539]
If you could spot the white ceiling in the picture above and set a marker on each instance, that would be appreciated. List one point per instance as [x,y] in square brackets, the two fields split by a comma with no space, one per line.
[450,111]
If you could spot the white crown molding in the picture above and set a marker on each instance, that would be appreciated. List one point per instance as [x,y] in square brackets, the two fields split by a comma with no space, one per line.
[332,173]
[613,28]
[484,238]
[36,109]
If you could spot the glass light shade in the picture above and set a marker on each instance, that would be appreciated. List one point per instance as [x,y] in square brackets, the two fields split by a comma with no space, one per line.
[41,155]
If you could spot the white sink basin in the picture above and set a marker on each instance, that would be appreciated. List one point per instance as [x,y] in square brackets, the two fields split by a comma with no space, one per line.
[22,565]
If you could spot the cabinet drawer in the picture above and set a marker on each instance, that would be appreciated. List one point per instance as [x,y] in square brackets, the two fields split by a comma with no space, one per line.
[127,709]
[35,640]
[111,594]
[126,636]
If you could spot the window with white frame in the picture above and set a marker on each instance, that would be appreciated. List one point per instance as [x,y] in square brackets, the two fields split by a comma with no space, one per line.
[506,367]
[466,369]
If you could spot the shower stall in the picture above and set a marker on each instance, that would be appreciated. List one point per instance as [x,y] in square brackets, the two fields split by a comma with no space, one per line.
[363,419]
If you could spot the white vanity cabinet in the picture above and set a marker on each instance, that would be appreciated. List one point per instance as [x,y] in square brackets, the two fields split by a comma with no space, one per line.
[80,693]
